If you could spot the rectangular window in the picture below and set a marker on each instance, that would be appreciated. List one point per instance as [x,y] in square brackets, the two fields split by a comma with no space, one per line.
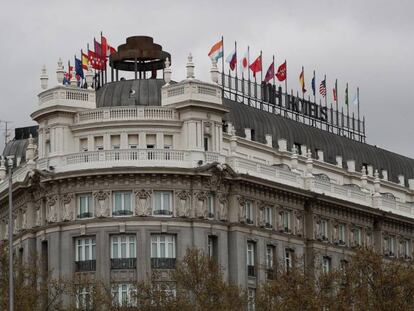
[85,254]
[162,203]
[123,246]
[341,234]
[289,254]
[326,264]
[133,141]
[121,203]
[85,207]
[115,141]
[391,245]
[358,236]
[163,251]
[250,259]
[206,146]
[123,295]
[270,262]
[212,247]
[210,205]
[83,144]
[98,141]
[248,206]
[268,215]
[251,303]
[168,141]
[84,298]
[151,140]
[286,219]
[406,249]
[324,230]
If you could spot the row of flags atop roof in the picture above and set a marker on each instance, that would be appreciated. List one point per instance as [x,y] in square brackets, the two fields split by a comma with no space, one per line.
[95,59]
[217,51]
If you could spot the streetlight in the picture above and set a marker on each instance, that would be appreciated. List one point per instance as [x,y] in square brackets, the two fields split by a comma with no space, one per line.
[11,289]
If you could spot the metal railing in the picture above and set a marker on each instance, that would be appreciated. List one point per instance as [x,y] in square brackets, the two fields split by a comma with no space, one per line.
[123,263]
[163,263]
[85,265]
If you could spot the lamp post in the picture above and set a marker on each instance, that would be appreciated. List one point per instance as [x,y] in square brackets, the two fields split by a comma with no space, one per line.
[11,289]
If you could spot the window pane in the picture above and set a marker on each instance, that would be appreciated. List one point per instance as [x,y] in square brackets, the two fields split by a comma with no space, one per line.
[127,201]
[93,252]
[123,250]
[166,199]
[132,252]
[154,250]
[118,201]
[87,252]
[157,201]
[89,208]
[115,250]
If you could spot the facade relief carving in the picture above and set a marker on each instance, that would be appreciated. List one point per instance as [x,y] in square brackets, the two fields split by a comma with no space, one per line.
[68,207]
[38,214]
[299,223]
[183,199]
[223,206]
[260,214]
[102,199]
[201,204]
[143,202]
[52,212]
[241,208]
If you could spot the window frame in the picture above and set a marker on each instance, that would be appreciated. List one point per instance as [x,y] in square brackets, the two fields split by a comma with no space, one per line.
[166,243]
[80,244]
[123,210]
[130,240]
[90,209]
[161,193]
[211,206]
[117,291]
[268,213]
[249,212]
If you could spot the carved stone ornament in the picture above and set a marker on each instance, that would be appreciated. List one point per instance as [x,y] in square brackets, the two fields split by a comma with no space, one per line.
[102,203]
[143,202]
[201,206]
[183,203]
[67,208]
[242,209]
[223,206]
[38,214]
[299,224]
[52,209]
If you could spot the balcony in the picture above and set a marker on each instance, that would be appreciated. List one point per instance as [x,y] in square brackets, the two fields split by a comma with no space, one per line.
[251,271]
[163,263]
[162,212]
[85,265]
[123,263]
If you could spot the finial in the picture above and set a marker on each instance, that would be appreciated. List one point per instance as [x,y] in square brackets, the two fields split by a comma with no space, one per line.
[73,80]
[190,67]
[214,71]
[43,78]
[376,174]
[60,71]
[89,77]
[167,71]
[309,154]
[294,149]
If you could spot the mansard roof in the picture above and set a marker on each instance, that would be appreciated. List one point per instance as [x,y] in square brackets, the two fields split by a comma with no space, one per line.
[243,116]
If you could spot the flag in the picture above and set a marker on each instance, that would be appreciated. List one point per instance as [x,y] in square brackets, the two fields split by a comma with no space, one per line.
[111,50]
[98,49]
[346,95]
[335,91]
[95,61]
[104,46]
[322,88]
[313,84]
[270,72]
[355,101]
[67,75]
[256,66]
[302,80]
[244,62]
[232,59]
[85,61]
[281,72]
[216,51]
[78,68]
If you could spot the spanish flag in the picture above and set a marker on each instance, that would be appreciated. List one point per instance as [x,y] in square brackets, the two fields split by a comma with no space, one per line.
[85,61]
[302,80]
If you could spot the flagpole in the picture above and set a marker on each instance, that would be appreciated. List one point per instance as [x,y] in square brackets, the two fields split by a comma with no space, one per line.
[222,61]
[347,107]
[359,127]
[274,75]
[248,73]
[261,68]
[337,106]
[235,51]
[314,86]
[326,93]
[303,87]
[273,100]
[286,85]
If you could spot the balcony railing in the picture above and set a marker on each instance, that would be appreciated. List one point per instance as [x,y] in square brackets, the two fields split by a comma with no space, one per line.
[85,215]
[251,271]
[123,263]
[122,212]
[162,212]
[85,265]
[163,263]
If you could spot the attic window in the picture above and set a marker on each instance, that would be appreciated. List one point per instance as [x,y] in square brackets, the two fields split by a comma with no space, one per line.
[253,134]
[298,148]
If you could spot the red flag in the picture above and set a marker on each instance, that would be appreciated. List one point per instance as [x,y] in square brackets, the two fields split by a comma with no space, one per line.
[281,72]
[104,46]
[334,94]
[95,61]
[270,72]
[256,66]
[111,49]
[98,49]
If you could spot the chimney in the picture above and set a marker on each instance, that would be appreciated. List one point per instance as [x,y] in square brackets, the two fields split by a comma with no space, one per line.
[269,140]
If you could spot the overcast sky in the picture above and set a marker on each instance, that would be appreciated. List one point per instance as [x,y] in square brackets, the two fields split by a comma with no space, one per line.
[367,43]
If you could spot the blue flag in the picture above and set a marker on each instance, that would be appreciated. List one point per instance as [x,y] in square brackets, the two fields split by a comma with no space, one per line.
[78,68]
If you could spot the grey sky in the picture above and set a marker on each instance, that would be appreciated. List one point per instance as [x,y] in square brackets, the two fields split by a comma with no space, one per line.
[366,43]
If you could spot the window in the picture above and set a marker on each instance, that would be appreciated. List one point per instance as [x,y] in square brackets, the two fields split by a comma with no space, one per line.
[85,253]
[289,253]
[212,247]
[133,141]
[268,215]
[270,266]
[298,148]
[84,298]
[250,259]
[341,234]
[121,203]
[115,141]
[406,249]
[98,140]
[85,207]
[123,295]
[163,251]
[206,146]
[168,141]
[326,264]
[210,205]
[391,245]
[123,252]
[357,236]
[83,144]
[251,293]
[248,206]
[324,230]
[286,221]
[162,203]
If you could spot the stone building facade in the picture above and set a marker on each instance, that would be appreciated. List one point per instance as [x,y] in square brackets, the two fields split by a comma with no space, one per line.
[116,192]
